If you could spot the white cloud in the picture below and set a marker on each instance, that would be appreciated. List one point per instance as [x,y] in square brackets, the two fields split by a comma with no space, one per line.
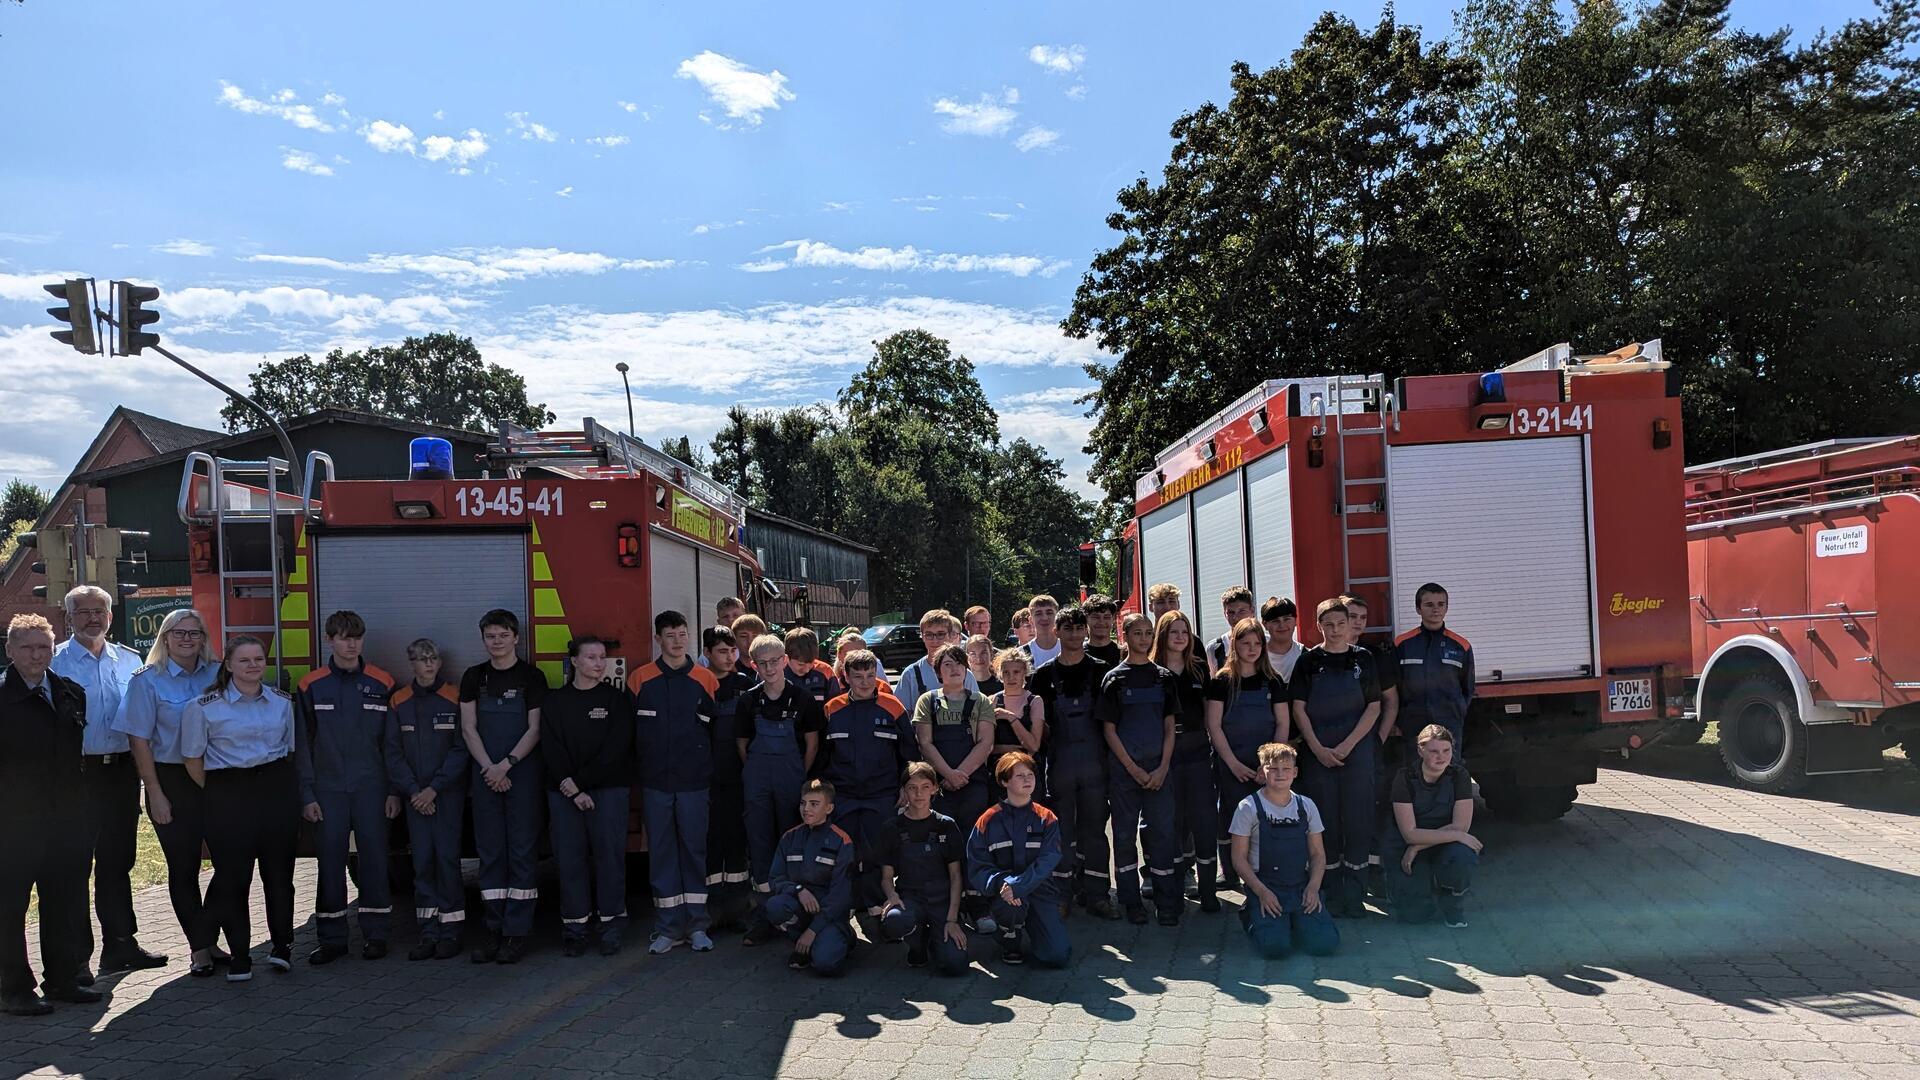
[764,266]
[1052,395]
[743,92]
[185,247]
[283,106]
[1077,91]
[1036,138]
[832,207]
[989,116]
[997,215]
[388,137]
[628,106]
[565,192]
[28,287]
[475,266]
[301,161]
[332,100]
[1062,430]
[609,140]
[201,308]
[1058,59]
[528,129]
[910,259]
[460,151]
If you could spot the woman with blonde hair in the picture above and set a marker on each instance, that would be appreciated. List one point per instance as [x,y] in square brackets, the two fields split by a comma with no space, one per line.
[1246,709]
[1196,809]
[180,668]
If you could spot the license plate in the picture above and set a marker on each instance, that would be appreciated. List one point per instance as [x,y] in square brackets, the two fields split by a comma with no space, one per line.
[1629,695]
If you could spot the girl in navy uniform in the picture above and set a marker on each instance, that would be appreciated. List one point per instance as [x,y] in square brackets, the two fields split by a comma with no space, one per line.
[427,765]
[1139,708]
[1430,839]
[922,854]
[1278,848]
[586,748]
[180,668]
[500,720]
[1011,856]
[777,729]
[236,741]
[1196,810]
[1336,700]
[727,878]
[1246,709]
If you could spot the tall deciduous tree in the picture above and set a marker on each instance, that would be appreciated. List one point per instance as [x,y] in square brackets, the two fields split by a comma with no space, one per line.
[437,379]
[22,501]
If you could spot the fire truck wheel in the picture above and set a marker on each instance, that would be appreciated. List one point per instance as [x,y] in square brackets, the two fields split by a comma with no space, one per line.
[1529,805]
[1762,740]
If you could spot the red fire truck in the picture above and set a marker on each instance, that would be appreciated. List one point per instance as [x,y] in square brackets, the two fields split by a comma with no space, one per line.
[1543,496]
[1806,609]
[577,532]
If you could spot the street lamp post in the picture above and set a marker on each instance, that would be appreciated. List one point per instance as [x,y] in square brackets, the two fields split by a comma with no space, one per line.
[621,367]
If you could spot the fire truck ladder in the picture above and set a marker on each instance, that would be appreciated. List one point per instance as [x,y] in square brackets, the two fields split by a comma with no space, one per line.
[1360,405]
[230,494]
[599,452]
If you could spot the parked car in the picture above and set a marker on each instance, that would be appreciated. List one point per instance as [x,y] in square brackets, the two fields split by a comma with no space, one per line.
[896,644]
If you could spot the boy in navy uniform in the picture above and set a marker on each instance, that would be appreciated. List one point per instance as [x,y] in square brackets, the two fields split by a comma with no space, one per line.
[427,766]
[1336,701]
[673,700]
[500,701]
[340,749]
[1436,671]
[863,757]
[812,885]
[1011,856]
[1077,764]
[728,890]
[922,854]
[1139,707]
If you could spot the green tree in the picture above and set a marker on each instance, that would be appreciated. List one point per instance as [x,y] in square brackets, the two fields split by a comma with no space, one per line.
[783,461]
[681,449]
[22,501]
[1041,523]
[437,379]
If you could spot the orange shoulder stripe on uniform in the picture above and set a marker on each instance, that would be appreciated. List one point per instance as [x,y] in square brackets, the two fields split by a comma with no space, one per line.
[986,817]
[841,833]
[379,675]
[1408,636]
[314,676]
[894,707]
[837,704]
[450,692]
[402,696]
[1044,814]
[824,668]
[705,678]
[1457,639]
[640,678]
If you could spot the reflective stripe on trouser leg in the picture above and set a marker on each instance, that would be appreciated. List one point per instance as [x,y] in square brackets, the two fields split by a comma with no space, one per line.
[567,825]
[435,841]
[607,835]
[490,843]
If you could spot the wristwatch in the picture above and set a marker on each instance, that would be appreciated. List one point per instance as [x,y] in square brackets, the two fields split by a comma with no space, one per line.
[511,760]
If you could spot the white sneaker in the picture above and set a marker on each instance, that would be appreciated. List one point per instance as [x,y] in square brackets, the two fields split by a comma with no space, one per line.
[662,944]
[1458,922]
[701,942]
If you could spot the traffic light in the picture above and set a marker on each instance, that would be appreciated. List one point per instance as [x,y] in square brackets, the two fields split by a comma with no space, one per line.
[129,303]
[55,544]
[116,551]
[77,295]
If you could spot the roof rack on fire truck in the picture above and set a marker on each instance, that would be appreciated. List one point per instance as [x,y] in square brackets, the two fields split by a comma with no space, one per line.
[1835,474]
[1634,356]
[597,452]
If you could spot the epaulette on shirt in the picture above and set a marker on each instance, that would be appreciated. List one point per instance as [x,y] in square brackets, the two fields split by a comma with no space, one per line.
[146,667]
[281,692]
[209,697]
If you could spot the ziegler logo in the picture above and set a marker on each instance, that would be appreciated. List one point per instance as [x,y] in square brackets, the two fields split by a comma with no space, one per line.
[1623,606]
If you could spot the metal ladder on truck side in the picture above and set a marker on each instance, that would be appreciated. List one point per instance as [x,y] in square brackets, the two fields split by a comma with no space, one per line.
[1360,405]
[217,503]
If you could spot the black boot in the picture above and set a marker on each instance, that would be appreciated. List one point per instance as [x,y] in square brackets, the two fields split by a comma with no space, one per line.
[1209,895]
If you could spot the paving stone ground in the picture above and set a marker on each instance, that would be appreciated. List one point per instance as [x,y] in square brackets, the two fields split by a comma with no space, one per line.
[1669,927]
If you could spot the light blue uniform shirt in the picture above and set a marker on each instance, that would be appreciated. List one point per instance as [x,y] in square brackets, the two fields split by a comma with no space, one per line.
[105,679]
[227,731]
[155,700]
[921,677]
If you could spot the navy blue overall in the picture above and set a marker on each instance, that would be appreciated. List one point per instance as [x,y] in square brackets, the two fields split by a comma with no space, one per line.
[1196,806]
[1077,792]
[425,750]
[955,742]
[507,825]
[921,880]
[1336,700]
[864,761]
[1247,723]
[1140,725]
[1442,874]
[341,756]
[771,778]
[1283,868]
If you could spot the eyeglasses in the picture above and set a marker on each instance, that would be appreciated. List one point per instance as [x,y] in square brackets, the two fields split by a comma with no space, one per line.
[187,635]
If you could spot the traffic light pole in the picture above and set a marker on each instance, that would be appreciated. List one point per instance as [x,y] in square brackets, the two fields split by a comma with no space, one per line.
[286,444]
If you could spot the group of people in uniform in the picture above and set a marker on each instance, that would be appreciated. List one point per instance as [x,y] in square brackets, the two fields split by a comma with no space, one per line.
[783,795]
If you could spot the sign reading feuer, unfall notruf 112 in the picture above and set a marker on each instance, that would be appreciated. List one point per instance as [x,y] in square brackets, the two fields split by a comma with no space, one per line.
[1851,540]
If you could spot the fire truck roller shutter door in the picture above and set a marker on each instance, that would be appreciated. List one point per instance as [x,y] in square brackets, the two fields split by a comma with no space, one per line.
[1270,520]
[421,584]
[676,581]
[719,577]
[1166,551]
[1503,525]
[1219,544]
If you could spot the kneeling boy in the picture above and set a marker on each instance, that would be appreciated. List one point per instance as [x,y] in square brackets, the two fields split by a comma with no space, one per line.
[1279,854]
[920,856]
[812,885]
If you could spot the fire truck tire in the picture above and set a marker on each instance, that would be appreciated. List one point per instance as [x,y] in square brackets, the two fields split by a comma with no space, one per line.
[1529,805]
[1762,741]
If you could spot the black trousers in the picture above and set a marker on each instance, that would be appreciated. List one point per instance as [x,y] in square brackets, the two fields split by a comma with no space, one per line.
[50,853]
[253,818]
[180,840]
[113,815]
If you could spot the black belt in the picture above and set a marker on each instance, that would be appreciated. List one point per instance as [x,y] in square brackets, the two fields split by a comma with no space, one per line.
[106,759]
[232,771]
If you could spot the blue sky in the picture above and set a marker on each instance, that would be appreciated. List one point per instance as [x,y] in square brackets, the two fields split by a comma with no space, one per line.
[735,199]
